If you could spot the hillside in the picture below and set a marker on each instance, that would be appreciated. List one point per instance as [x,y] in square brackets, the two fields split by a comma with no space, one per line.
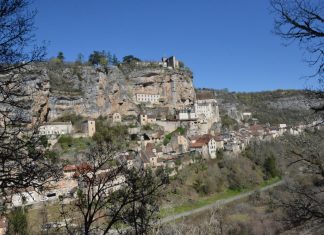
[274,107]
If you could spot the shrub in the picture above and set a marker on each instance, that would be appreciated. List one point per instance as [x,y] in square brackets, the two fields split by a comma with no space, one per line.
[270,167]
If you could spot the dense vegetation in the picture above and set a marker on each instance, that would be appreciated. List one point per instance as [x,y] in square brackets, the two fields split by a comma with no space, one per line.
[263,105]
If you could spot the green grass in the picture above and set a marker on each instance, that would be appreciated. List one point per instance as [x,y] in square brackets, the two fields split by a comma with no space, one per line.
[199,203]
[164,212]
[269,182]
[69,144]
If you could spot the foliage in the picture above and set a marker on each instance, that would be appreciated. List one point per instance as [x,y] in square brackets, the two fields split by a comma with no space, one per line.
[68,143]
[18,221]
[60,57]
[266,105]
[147,127]
[228,122]
[167,139]
[98,58]
[130,58]
[270,167]
[105,132]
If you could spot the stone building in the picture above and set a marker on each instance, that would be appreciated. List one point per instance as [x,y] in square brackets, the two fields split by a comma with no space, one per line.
[56,128]
[116,117]
[170,62]
[147,119]
[205,145]
[147,98]
[186,114]
[89,127]
[207,109]
[179,143]
[206,106]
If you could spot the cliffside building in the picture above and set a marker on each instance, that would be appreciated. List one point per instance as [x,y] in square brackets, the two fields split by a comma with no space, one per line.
[56,128]
[186,114]
[207,109]
[170,62]
[147,98]
[147,119]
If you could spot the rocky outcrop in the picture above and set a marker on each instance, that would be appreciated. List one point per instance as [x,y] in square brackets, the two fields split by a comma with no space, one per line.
[92,92]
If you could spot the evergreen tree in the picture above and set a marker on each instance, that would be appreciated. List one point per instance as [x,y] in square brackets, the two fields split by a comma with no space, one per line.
[60,57]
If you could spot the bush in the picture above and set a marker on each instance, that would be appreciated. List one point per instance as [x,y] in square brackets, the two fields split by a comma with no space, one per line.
[18,222]
[228,122]
[270,167]
[65,141]
[105,132]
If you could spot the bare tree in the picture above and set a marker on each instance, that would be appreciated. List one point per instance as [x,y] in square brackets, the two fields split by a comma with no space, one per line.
[302,21]
[24,160]
[17,48]
[302,198]
[112,196]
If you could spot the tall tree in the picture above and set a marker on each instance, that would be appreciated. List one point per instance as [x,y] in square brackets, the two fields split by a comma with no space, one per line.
[302,198]
[98,58]
[111,194]
[60,57]
[130,58]
[16,41]
[302,21]
[23,159]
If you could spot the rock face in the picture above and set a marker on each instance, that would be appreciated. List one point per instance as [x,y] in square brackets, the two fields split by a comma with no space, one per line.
[92,92]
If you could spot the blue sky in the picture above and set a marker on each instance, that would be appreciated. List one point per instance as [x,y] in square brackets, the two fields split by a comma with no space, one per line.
[226,43]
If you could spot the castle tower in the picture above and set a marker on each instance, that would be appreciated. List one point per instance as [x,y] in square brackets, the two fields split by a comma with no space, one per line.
[91,127]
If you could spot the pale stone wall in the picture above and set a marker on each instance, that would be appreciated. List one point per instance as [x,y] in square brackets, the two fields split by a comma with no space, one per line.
[59,128]
[116,117]
[91,127]
[208,108]
[212,147]
[147,98]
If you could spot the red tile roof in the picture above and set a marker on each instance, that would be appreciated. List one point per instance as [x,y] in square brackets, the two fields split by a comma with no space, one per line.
[69,168]
[200,141]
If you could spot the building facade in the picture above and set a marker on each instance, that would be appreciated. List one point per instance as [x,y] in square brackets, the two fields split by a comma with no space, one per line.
[89,127]
[207,108]
[147,98]
[56,128]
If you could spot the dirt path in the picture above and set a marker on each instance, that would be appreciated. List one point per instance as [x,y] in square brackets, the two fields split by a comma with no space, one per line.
[216,204]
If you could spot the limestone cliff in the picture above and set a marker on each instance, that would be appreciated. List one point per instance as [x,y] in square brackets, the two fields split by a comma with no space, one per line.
[92,92]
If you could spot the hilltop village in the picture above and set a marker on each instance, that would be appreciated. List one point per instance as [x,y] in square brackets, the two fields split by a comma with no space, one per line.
[166,129]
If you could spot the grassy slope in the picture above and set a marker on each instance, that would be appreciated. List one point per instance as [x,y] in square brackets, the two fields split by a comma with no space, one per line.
[203,201]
